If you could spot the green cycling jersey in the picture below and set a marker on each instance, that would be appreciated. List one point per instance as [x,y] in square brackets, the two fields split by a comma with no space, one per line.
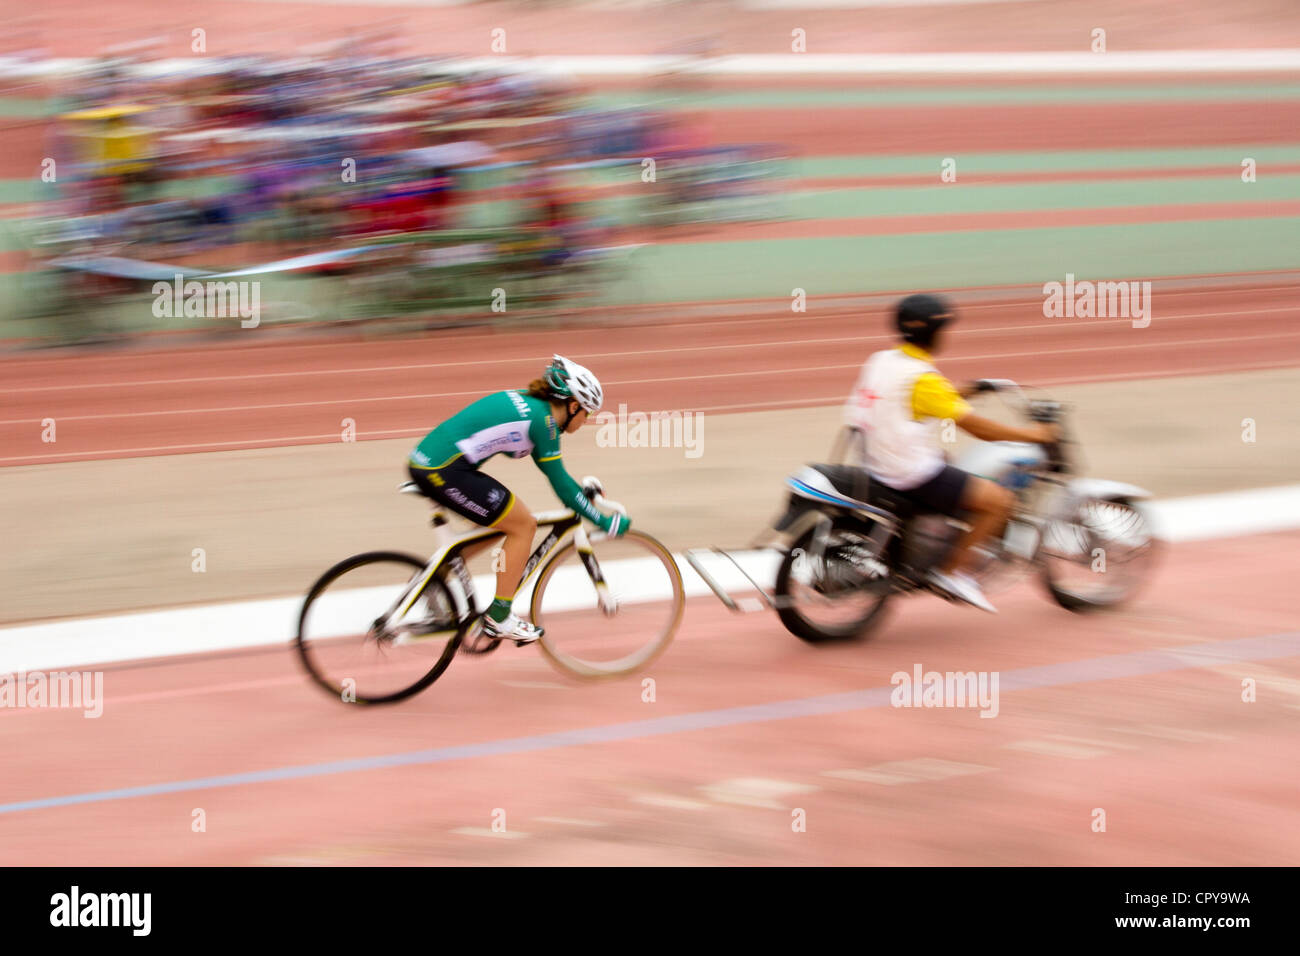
[513,423]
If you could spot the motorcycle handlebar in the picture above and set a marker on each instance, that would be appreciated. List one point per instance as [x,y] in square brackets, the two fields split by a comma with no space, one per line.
[1038,410]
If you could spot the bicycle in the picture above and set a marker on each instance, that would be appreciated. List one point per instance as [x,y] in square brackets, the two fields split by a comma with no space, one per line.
[431,610]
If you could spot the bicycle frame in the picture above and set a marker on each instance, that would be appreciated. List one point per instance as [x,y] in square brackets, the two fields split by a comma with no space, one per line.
[451,550]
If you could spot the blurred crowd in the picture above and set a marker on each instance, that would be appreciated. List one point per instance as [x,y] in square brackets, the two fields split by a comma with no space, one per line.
[309,165]
[287,155]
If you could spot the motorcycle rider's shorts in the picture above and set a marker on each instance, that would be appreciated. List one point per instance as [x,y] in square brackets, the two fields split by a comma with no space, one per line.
[941,494]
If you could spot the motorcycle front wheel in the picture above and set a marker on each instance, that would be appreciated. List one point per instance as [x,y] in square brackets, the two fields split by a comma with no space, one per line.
[1099,556]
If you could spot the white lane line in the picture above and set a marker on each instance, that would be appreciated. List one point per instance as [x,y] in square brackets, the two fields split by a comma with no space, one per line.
[826,400]
[487,832]
[669,801]
[1055,748]
[297,679]
[330,437]
[785,344]
[571,822]
[1165,732]
[919,770]
[593,356]
[246,443]
[755,792]
[1166,373]
[754,406]
[1090,742]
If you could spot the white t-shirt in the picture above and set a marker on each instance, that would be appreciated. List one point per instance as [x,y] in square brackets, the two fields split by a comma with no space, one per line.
[901,451]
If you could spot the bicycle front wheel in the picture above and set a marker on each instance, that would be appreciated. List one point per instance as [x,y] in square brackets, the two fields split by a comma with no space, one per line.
[361,653]
[587,641]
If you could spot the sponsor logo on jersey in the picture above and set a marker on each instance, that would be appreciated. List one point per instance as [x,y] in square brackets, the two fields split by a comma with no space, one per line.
[486,448]
[520,404]
[497,444]
[458,496]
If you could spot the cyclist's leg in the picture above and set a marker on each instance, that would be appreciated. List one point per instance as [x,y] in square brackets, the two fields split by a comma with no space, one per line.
[482,499]
[520,527]
[500,621]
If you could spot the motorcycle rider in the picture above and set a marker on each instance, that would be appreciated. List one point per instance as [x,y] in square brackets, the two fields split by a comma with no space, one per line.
[899,402]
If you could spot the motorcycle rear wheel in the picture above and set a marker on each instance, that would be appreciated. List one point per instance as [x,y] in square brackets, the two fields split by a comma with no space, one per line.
[803,590]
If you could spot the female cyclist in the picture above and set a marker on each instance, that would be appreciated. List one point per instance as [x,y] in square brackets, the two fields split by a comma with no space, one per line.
[517,422]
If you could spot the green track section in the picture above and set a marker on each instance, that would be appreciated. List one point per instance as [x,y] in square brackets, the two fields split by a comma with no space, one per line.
[27,190]
[785,98]
[691,272]
[966,95]
[1229,157]
[772,268]
[926,164]
[15,107]
[1105,194]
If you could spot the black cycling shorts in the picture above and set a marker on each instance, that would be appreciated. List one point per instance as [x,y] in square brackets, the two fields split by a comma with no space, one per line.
[942,493]
[462,488]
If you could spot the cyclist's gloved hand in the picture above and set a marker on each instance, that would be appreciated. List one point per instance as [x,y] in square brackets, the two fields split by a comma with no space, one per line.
[615,525]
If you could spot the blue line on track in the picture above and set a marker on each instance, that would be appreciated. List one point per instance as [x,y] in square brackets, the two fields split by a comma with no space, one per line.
[1113,667]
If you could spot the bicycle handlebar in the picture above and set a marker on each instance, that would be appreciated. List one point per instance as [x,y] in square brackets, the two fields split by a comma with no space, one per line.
[594,489]
[601,502]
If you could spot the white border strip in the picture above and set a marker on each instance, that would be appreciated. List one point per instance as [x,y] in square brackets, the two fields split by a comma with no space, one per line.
[782,64]
[191,630]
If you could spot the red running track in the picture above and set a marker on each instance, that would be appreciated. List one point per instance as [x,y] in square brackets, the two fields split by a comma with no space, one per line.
[252,390]
[1185,770]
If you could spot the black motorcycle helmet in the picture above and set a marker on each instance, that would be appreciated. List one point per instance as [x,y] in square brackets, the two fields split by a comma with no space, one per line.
[920,317]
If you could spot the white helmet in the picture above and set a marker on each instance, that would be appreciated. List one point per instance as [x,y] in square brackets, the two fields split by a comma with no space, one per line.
[570,380]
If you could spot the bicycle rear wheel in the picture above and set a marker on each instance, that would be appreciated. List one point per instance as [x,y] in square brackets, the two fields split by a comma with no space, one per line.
[582,640]
[355,661]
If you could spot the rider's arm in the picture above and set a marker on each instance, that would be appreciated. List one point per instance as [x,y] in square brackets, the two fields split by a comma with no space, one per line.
[936,397]
[570,494]
[986,429]
[546,453]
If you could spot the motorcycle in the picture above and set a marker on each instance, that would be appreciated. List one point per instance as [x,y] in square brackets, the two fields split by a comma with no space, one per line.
[851,545]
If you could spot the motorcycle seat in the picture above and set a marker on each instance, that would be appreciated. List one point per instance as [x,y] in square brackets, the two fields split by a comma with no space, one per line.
[855,483]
